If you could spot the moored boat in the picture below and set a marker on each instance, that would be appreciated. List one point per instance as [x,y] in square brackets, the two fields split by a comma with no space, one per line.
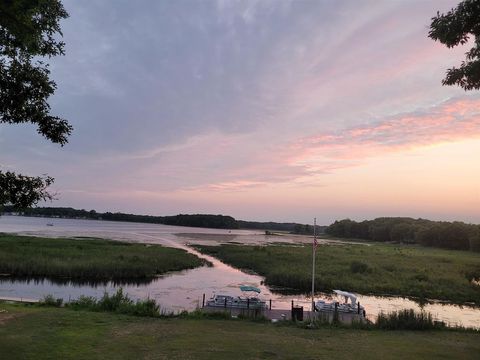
[238,302]
[347,307]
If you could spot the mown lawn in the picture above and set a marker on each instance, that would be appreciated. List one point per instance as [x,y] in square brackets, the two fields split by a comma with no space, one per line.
[88,259]
[58,333]
[379,269]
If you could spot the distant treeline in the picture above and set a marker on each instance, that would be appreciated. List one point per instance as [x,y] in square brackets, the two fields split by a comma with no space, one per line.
[197,220]
[449,235]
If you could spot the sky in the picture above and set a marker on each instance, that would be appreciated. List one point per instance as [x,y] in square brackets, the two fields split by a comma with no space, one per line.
[263,110]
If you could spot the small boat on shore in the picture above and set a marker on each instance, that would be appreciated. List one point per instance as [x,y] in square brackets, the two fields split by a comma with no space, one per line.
[347,307]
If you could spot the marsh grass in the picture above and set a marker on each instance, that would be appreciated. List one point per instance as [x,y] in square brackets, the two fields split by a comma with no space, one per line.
[407,319]
[379,269]
[118,302]
[88,259]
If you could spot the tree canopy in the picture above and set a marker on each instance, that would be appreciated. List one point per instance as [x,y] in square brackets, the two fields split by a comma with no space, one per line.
[456,28]
[29,30]
[449,235]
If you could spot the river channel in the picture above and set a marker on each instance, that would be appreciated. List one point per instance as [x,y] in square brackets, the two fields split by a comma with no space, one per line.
[184,290]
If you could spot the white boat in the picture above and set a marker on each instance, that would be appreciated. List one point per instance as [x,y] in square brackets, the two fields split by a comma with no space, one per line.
[238,302]
[346,307]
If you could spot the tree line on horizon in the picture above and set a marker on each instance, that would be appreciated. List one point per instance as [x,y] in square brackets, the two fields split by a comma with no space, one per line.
[454,235]
[192,220]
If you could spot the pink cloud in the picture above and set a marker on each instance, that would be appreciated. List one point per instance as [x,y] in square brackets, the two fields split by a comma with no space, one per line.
[452,120]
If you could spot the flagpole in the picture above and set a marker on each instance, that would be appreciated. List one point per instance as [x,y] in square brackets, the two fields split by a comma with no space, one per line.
[314,246]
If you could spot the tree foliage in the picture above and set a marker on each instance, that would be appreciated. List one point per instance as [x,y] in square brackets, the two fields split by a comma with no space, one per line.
[449,235]
[28,32]
[456,28]
[23,190]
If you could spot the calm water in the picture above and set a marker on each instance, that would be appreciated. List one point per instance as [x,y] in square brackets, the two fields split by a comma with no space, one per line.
[184,290]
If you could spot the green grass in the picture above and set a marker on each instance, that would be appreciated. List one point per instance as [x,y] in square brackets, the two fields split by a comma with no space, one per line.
[59,333]
[379,269]
[88,259]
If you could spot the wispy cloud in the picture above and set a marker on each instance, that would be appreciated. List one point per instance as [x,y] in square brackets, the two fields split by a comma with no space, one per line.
[452,120]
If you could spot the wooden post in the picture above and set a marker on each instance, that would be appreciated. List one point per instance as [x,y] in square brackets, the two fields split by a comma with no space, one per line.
[248,303]
[270,304]
[203,301]
[225,305]
[292,305]
[335,314]
[358,307]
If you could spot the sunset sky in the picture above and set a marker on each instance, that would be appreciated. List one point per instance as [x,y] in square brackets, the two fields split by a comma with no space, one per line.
[263,110]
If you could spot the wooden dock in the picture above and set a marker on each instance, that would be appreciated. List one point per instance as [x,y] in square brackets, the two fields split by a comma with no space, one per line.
[286,314]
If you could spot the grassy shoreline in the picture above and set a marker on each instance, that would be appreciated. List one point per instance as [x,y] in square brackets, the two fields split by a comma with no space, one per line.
[41,333]
[88,259]
[379,269]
